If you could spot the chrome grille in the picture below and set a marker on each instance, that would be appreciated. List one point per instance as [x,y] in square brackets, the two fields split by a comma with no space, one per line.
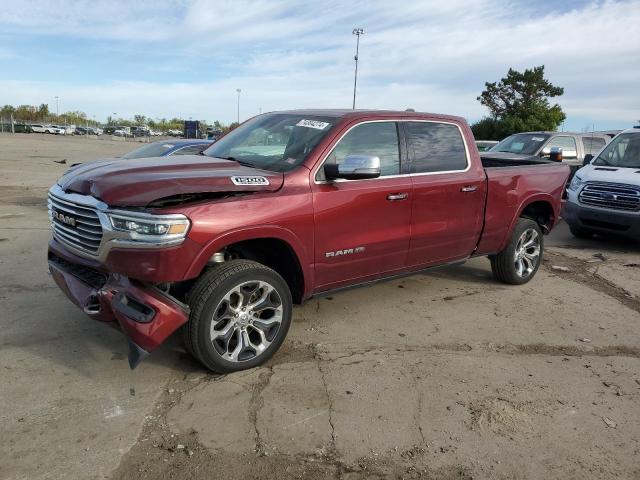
[615,196]
[83,232]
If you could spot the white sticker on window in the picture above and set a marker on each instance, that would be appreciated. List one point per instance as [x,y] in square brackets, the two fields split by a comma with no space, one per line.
[537,139]
[312,124]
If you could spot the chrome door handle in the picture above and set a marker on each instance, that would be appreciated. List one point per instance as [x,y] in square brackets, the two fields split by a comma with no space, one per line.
[469,188]
[394,197]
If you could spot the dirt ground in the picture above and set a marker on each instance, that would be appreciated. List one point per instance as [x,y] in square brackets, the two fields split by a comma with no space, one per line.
[444,375]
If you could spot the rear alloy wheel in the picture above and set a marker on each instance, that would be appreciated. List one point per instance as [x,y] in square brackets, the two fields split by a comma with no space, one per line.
[520,260]
[240,315]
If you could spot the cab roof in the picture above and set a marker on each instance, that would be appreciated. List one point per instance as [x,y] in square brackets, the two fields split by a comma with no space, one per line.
[349,114]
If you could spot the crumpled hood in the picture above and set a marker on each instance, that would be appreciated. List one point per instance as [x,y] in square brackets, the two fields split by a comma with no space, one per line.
[137,182]
[603,173]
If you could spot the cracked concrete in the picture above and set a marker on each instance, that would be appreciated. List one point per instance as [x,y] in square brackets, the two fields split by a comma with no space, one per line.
[441,375]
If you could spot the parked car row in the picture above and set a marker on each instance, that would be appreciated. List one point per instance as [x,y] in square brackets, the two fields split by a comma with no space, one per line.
[88,131]
[56,129]
[132,131]
[53,129]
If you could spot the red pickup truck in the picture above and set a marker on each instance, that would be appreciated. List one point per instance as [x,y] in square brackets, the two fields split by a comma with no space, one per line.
[287,206]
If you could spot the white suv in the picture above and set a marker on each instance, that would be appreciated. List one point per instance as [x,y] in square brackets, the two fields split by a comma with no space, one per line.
[55,130]
[604,195]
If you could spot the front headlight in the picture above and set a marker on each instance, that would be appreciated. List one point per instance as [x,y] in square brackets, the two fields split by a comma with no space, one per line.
[157,229]
[576,183]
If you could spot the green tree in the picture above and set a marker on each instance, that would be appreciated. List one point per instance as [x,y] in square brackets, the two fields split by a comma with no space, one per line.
[43,111]
[519,103]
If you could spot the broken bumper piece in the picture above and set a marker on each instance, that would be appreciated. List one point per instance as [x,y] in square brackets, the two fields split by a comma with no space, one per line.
[145,315]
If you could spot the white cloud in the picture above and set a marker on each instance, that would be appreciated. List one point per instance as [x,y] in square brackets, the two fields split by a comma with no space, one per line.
[431,56]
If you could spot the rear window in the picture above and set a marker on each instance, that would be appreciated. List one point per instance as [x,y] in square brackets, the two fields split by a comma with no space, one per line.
[592,145]
[435,147]
[156,149]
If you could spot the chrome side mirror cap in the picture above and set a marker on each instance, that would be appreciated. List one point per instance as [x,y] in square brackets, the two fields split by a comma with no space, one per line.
[354,167]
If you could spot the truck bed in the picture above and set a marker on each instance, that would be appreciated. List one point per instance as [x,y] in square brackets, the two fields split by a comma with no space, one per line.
[508,185]
[489,161]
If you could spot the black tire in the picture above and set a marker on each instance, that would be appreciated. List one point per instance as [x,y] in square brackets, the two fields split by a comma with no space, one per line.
[581,232]
[205,300]
[503,265]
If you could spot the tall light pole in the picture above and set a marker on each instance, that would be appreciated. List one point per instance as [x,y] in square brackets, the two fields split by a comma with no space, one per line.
[357,32]
[57,113]
[238,90]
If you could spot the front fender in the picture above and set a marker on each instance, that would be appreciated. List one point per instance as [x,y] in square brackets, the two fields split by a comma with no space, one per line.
[253,233]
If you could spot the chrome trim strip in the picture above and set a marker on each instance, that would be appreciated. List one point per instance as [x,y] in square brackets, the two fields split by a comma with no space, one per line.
[610,196]
[324,159]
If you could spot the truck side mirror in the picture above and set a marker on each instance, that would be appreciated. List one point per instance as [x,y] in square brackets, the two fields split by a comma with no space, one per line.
[354,167]
[555,155]
[587,159]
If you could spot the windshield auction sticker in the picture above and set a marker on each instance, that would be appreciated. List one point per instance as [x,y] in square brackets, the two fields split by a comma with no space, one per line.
[312,124]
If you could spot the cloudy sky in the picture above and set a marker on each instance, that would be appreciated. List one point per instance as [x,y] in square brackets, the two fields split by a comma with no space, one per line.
[187,58]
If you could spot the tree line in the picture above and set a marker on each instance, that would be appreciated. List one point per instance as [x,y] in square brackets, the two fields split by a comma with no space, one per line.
[42,114]
[517,103]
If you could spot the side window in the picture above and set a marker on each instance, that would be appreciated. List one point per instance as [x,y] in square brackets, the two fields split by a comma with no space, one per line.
[379,139]
[435,147]
[567,144]
[592,145]
[192,150]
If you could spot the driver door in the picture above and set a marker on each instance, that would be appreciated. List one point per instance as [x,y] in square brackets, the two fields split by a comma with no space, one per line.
[362,227]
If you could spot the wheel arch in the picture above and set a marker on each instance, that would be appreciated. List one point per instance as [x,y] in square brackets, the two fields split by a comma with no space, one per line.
[540,205]
[275,247]
[541,212]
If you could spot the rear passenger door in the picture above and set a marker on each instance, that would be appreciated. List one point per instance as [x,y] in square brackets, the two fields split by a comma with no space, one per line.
[448,193]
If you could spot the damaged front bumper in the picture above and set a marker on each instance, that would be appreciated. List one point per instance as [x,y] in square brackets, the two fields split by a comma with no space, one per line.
[146,315]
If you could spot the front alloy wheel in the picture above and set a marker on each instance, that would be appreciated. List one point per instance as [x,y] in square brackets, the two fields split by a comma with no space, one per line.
[246,321]
[240,315]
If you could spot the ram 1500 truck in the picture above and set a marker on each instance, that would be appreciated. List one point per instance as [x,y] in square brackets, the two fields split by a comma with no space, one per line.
[287,206]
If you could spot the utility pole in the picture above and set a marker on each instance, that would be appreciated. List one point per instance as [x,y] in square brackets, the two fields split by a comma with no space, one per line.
[357,32]
[238,90]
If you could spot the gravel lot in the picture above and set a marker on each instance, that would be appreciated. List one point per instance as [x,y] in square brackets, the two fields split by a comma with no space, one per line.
[440,375]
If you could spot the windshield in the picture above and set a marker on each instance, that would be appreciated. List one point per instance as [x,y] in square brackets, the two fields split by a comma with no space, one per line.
[525,143]
[623,151]
[276,141]
[156,149]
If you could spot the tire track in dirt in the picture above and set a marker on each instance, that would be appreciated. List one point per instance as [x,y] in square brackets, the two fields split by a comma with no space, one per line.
[578,272]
